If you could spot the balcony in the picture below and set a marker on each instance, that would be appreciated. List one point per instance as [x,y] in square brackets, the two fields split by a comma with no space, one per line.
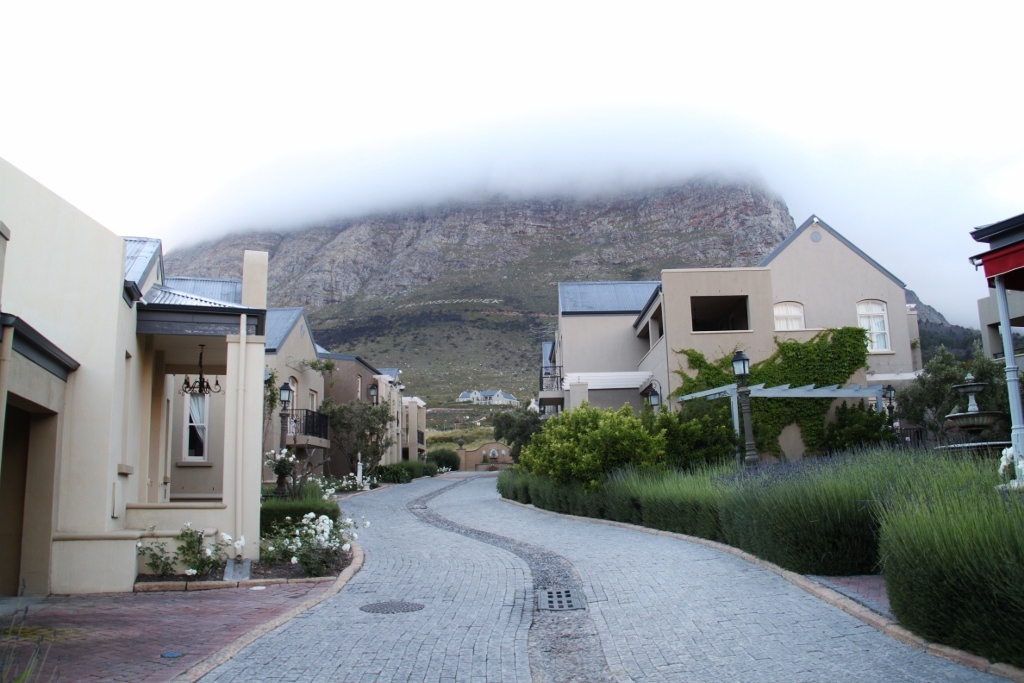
[551,393]
[307,428]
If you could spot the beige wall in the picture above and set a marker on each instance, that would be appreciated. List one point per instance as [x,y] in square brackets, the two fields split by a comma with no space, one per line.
[829,278]
[288,360]
[479,459]
[599,343]
[680,285]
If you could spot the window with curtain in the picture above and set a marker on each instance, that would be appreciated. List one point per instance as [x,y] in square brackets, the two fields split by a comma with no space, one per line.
[789,315]
[872,316]
[196,438]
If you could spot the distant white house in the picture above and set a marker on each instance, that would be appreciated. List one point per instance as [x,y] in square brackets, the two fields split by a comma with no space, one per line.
[491,397]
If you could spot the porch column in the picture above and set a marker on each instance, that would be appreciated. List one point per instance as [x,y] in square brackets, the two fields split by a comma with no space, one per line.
[243,438]
[1012,378]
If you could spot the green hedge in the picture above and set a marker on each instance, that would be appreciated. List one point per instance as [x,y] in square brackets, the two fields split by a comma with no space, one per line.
[274,510]
[392,474]
[444,457]
[953,558]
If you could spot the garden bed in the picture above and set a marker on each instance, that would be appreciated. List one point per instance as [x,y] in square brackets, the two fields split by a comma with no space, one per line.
[259,570]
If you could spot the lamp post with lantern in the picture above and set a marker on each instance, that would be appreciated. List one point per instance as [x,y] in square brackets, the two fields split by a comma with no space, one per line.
[889,394]
[741,369]
[286,399]
[654,395]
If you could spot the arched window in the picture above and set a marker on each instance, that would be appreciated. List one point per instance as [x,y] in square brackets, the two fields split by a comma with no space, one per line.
[789,315]
[872,316]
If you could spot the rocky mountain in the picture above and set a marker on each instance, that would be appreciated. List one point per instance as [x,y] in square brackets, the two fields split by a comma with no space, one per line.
[460,294]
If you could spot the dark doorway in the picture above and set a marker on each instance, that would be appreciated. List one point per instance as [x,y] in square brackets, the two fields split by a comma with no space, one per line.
[13,471]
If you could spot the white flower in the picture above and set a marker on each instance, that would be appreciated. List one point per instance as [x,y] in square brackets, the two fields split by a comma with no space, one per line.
[355,536]
[348,521]
[209,552]
[347,547]
[190,572]
[188,525]
[270,549]
[1006,463]
[295,560]
[225,537]
[139,544]
[366,525]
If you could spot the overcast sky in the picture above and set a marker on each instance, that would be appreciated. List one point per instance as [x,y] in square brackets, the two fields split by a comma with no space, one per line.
[900,125]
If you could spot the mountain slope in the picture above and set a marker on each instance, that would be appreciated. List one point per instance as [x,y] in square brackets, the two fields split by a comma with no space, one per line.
[459,295]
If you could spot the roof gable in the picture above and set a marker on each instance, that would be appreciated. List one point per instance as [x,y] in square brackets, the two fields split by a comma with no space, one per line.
[280,323]
[814,220]
[141,256]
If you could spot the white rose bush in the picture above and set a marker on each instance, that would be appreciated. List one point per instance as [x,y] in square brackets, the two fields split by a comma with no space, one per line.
[315,543]
[199,557]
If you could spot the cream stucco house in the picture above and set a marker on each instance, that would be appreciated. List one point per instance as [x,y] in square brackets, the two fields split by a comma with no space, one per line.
[617,341]
[96,447]
[414,441]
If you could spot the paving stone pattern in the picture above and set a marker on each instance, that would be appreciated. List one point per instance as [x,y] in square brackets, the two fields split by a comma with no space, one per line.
[120,636]
[662,609]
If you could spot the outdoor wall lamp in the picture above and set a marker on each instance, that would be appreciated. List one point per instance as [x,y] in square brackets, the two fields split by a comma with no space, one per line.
[372,391]
[286,395]
[741,368]
[201,385]
[654,396]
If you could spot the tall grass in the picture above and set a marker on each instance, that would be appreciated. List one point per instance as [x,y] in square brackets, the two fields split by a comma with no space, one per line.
[953,558]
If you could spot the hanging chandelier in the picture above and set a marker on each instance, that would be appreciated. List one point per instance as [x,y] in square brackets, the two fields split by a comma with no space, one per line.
[201,385]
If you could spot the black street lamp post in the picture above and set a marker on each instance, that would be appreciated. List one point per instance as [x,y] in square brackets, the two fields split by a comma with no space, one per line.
[741,368]
[286,398]
[889,394]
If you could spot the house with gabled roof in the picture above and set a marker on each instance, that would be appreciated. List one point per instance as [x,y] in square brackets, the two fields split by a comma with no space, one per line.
[102,418]
[617,342]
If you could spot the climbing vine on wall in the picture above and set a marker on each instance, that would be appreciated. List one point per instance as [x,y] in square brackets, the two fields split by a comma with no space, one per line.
[830,357]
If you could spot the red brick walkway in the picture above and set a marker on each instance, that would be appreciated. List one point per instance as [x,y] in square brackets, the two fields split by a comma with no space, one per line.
[120,636]
[870,587]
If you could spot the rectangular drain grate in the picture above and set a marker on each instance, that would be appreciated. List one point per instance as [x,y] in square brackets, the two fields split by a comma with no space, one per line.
[559,599]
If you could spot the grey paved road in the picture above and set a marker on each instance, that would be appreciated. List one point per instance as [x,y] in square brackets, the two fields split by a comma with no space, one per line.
[659,609]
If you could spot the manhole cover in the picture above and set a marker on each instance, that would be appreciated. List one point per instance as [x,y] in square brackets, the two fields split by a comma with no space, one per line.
[170,655]
[559,599]
[392,607]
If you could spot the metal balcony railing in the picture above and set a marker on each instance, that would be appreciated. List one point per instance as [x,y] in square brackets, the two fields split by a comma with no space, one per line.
[302,422]
[551,378]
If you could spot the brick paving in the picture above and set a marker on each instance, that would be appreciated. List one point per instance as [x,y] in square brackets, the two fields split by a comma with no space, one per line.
[120,636]
[661,609]
[870,590]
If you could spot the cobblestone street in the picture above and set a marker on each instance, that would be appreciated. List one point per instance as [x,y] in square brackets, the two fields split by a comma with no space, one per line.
[658,608]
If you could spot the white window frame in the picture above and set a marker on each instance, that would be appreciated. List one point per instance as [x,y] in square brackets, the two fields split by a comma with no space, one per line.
[873,346]
[789,316]
[188,423]
[314,400]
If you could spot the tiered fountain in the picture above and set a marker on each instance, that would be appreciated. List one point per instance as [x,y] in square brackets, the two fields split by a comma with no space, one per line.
[974,421]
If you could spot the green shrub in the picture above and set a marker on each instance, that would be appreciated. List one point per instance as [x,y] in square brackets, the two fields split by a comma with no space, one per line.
[953,559]
[430,469]
[444,457]
[694,442]
[858,426]
[392,474]
[415,468]
[274,511]
[585,444]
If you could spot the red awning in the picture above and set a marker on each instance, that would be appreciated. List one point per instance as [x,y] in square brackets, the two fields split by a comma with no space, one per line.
[1007,261]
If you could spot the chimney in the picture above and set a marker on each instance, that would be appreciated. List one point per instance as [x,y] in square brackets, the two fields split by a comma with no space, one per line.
[254,279]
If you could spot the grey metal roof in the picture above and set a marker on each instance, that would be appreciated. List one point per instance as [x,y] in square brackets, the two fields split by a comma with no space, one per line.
[390,372]
[998,235]
[221,289]
[139,256]
[324,353]
[159,294]
[280,322]
[604,297]
[832,231]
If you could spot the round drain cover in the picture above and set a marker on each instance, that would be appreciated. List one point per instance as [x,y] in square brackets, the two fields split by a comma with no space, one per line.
[170,655]
[392,607]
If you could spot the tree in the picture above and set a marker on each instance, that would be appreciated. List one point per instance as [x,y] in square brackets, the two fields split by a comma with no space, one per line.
[359,428]
[516,427]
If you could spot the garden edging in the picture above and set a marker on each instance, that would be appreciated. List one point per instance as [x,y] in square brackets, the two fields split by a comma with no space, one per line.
[208,664]
[868,616]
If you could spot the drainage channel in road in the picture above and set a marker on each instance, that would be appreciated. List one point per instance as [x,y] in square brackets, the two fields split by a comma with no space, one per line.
[563,640]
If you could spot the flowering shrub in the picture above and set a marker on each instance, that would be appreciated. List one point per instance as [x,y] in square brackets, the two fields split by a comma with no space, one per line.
[199,558]
[444,470]
[1006,464]
[315,543]
[282,464]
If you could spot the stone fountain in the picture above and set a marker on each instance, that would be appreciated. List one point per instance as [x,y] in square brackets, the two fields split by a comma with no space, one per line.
[974,421]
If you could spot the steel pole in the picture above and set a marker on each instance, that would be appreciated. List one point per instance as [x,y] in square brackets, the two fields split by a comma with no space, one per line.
[750,458]
[1012,378]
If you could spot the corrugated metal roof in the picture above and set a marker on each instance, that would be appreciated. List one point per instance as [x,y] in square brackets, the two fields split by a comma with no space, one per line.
[608,380]
[221,289]
[139,257]
[390,372]
[323,353]
[280,322]
[604,297]
[158,294]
